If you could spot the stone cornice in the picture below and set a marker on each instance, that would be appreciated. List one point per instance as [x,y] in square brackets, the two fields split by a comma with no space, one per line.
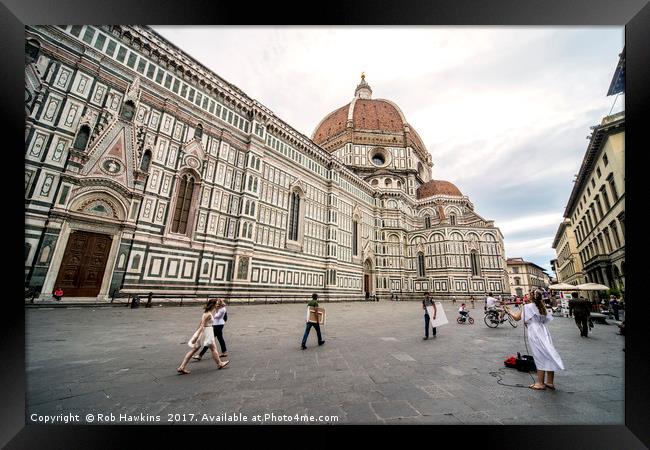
[609,125]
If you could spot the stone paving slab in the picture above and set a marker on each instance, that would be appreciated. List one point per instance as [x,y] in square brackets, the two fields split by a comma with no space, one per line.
[373,369]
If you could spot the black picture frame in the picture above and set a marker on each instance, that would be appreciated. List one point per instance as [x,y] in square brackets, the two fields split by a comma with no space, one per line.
[634,14]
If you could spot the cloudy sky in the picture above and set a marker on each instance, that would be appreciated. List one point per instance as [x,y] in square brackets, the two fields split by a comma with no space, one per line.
[504,111]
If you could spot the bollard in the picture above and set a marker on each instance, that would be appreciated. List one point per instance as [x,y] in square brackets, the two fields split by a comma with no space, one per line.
[148,305]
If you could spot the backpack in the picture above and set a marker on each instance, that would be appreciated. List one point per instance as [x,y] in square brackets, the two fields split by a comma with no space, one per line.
[510,361]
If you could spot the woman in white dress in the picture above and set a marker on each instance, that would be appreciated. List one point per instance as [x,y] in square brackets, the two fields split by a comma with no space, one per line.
[541,345]
[203,337]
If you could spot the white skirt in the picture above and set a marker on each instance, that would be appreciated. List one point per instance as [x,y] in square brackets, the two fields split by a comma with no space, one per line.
[208,336]
[542,348]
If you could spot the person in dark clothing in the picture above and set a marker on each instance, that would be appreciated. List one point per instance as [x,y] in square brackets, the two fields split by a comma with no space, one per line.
[428,301]
[613,304]
[312,304]
[580,308]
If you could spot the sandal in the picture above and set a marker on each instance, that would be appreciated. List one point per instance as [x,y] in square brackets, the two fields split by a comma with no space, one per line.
[223,355]
[182,371]
[198,358]
[224,365]
[532,386]
[550,386]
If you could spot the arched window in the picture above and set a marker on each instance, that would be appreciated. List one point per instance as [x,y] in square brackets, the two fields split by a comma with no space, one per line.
[452,219]
[427,221]
[517,281]
[81,140]
[476,271]
[146,161]
[388,182]
[355,236]
[128,111]
[245,230]
[293,216]
[421,264]
[252,208]
[183,203]
[198,132]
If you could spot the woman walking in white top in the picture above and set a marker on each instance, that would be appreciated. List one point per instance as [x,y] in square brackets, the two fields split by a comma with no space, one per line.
[546,357]
[217,326]
[203,337]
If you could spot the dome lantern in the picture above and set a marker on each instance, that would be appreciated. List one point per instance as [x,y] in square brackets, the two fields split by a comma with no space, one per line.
[363,89]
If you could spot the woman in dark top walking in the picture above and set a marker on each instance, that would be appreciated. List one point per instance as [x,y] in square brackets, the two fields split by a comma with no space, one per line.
[428,301]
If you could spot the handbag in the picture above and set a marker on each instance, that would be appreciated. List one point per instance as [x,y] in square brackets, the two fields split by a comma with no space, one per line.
[225,317]
[510,361]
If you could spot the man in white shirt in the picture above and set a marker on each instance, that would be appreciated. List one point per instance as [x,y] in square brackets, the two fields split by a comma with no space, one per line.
[492,304]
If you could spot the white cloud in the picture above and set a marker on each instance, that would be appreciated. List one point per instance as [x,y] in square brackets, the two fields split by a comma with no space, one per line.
[536,250]
[530,223]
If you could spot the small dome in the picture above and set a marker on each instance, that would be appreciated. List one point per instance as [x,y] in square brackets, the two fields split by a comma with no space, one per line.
[438,187]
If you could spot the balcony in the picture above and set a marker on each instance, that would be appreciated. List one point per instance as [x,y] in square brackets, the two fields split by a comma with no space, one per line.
[597,260]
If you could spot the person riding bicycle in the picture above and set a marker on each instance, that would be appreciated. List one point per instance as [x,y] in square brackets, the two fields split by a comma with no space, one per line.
[492,304]
[463,311]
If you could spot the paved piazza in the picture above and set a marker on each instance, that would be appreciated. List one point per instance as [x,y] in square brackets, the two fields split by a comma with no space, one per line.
[373,369]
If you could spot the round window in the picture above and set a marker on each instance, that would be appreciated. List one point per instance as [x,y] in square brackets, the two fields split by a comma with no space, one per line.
[378,159]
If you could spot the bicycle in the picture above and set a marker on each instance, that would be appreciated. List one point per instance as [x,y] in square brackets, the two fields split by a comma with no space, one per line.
[462,319]
[492,320]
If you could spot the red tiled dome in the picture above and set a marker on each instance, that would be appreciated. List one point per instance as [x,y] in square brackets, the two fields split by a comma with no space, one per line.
[334,123]
[368,115]
[364,117]
[438,187]
[376,115]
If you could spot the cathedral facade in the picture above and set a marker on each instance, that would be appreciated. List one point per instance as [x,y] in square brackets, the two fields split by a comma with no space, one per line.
[147,172]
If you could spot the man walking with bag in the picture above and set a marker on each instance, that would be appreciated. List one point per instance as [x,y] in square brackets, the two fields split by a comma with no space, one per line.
[312,304]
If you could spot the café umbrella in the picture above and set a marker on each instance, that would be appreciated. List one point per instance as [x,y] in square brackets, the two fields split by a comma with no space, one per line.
[591,287]
[562,287]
